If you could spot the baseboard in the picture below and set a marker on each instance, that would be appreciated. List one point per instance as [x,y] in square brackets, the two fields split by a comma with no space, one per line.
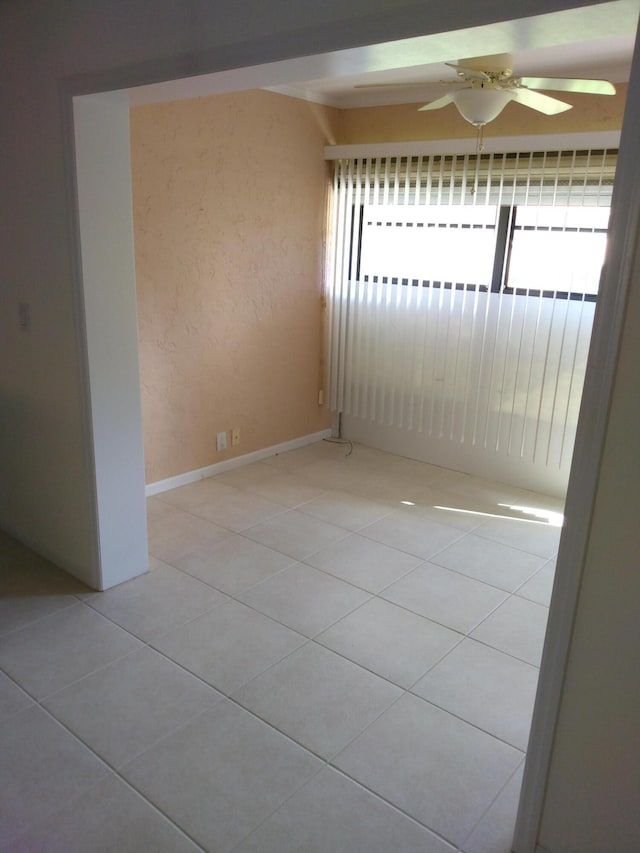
[238,461]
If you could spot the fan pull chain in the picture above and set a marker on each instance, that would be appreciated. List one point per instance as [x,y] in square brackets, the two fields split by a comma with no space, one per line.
[479,150]
[480,140]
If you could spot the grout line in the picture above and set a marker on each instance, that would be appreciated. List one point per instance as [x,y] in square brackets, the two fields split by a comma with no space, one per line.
[221,696]
[42,618]
[492,803]
[395,807]
[464,635]
[112,771]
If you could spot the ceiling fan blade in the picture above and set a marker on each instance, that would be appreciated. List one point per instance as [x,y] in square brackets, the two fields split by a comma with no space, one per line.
[466,71]
[562,84]
[401,84]
[541,103]
[435,105]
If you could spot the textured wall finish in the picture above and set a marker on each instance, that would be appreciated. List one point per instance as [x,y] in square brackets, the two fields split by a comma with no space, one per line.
[229,199]
[229,195]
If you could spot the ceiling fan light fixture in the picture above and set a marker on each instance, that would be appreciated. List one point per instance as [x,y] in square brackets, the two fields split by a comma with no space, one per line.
[480,106]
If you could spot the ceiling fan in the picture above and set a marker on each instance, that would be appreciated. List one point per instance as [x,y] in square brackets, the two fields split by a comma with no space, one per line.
[486,86]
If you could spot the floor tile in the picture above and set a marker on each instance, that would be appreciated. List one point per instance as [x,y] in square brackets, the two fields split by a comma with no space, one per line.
[295,534]
[248,780]
[238,511]
[333,474]
[538,501]
[536,538]
[440,770]
[208,489]
[234,564]
[383,486]
[517,627]
[485,687]
[292,460]
[425,474]
[375,458]
[54,652]
[12,698]
[157,509]
[42,767]
[363,562]
[176,533]
[304,599]
[245,475]
[494,832]
[540,586]
[286,488]
[318,698]
[157,602]
[390,641]
[419,536]
[230,645]
[488,493]
[489,562]
[340,448]
[128,705]
[32,588]
[222,775]
[110,817]
[444,508]
[332,814]
[346,510]
[447,597]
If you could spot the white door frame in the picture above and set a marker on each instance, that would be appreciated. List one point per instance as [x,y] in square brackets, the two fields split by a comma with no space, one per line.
[585,468]
[591,430]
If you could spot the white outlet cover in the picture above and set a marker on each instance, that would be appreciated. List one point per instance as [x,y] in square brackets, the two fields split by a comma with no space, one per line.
[221,441]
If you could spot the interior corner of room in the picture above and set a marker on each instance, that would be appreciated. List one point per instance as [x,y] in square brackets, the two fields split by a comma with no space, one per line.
[188,287]
[230,226]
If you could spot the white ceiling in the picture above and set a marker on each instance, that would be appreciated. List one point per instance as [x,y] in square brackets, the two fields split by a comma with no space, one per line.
[607,59]
[595,41]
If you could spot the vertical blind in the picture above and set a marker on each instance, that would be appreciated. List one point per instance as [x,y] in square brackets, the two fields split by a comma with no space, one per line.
[500,371]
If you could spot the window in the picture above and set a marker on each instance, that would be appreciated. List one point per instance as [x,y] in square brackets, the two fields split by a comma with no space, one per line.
[542,251]
[556,250]
[531,224]
[439,245]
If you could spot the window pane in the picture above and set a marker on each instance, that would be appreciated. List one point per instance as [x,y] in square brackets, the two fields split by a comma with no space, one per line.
[558,248]
[442,243]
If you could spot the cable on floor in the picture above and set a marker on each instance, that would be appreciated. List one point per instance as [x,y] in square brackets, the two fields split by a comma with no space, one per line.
[341,441]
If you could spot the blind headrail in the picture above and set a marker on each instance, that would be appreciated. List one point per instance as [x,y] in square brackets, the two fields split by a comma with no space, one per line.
[537,142]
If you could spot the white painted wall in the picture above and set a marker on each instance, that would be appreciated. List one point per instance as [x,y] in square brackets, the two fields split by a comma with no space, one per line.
[592,798]
[103,167]
[47,497]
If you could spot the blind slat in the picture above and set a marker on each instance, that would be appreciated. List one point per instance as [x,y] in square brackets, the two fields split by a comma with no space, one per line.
[549,177]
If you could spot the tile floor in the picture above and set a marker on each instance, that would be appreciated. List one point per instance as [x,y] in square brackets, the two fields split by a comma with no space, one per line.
[324,657]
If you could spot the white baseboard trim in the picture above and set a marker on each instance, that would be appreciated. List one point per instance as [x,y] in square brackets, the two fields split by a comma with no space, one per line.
[238,461]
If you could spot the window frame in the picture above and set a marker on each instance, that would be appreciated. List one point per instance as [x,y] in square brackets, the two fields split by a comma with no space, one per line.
[505,229]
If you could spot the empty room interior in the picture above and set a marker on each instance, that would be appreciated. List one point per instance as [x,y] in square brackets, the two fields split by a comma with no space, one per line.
[336,345]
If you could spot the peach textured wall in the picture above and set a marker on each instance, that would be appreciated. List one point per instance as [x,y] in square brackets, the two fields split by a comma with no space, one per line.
[403,123]
[229,196]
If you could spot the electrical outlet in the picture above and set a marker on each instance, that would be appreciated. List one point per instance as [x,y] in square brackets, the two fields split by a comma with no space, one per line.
[221,441]
[320,397]
[235,437]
